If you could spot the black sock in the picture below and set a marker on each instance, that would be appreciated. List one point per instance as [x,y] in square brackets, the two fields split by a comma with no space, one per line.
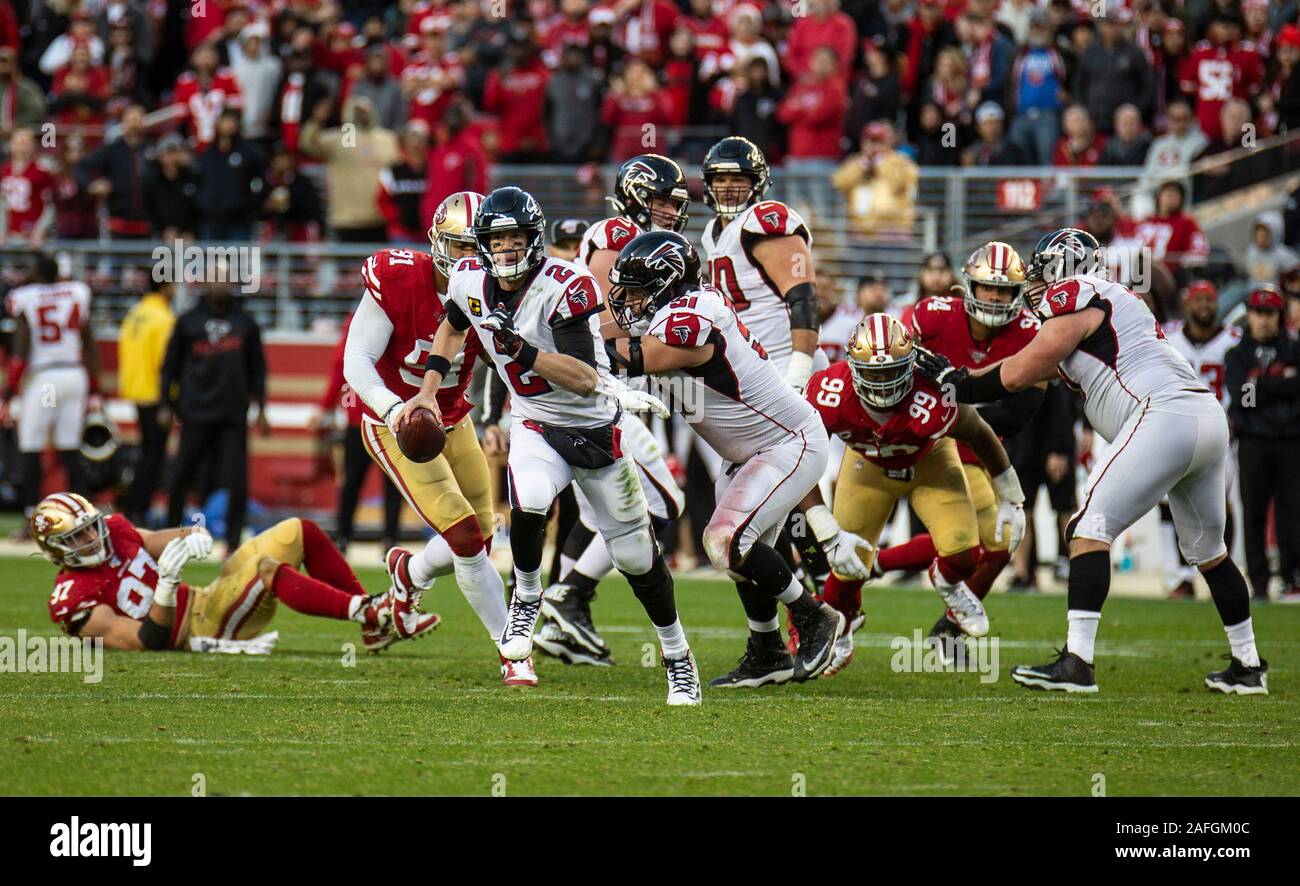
[579,537]
[1228,588]
[584,586]
[765,568]
[31,482]
[527,536]
[655,591]
[759,607]
[1089,581]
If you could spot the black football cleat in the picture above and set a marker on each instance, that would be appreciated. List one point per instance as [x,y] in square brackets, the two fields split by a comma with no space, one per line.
[571,610]
[819,628]
[759,666]
[552,640]
[1237,679]
[1068,673]
[944,637]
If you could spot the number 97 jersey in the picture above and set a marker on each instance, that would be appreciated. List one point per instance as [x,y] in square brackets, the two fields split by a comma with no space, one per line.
[895,440]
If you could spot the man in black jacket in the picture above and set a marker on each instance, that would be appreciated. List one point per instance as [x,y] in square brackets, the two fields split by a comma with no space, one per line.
[231,175]
[169,191]
[1263,377]
[213,369]
[117,171]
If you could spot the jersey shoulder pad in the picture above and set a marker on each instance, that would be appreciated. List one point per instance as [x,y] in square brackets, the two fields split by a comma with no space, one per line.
[929,314]
[687,321]
[575,291]
[393,268]
[773,218]
[76,592]
[1066,297]
[614,233]
[831,393]
[16,300]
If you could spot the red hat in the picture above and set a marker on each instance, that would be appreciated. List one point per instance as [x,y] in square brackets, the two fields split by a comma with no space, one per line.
[1175,24]
[1289,36]
[878,131]
[1202,287]
[1265,298]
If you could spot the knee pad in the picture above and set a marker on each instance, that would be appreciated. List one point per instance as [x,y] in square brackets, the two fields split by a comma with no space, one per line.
[718,538]
[533,497]
[464,537]
[960,566]
[635,553]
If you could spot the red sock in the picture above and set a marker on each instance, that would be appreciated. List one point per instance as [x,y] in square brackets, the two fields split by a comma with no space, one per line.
[959,566]
[324,562]
[307,595]
[844,595]
[991,566]
[911,556]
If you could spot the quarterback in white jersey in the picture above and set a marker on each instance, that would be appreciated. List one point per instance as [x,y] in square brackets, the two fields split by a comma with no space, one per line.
[1170,437]
[537,318]
[773,443]
[759,256]
[54,369]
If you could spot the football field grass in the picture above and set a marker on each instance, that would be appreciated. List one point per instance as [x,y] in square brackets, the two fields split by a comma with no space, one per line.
[430,717]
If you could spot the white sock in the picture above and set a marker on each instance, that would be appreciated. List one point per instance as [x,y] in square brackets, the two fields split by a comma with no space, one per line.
[764,627]
[566,564]
[528,585]
[483,588]
[357,608]
[672,640]
[1241,637]
[1082,635]
[434,560]
[594,562]
[793,591]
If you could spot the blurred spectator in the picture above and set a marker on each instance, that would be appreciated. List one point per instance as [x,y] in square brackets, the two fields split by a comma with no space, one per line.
[813,110]
[1267,256]
[516,94]
[822,24]
[170,189]
[293,204]
[569,27]
[378,84]
[988,55]
[935,143]
[27,189]
[127,72]
[875,93]
[202,93]
[747,41]
[1130,142]
[1017,17]
[1080,145]
[22,103]
[81,32]
[129,17]
[710,32]
[991,147]
[754,108]
[879,184]
[573,98]
[257,71]
[458,164]
[1112,72]
[1237,167]
[1172,153]
[1280,98]
[80,95]
[949,89]
[566,237]
[1290,286]
[687,94]
[603,53]
[636,112]
[116,172]
[1171,234]
[402,187]
[1262,379]
[9,31]
[432,77]
[928,34]
[1218,70]
[230,180]
[354,156]
[301,87]
[1037,93]
[1172,52]
[644,26]
[935,277]
[76,212]
[141,346]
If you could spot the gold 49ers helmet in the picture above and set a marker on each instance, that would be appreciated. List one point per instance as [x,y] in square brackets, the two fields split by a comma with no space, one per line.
[994,264]
[70,531]
[452,221]
[881,360]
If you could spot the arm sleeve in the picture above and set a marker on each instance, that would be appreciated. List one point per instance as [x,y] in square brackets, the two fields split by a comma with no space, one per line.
[367,340]
[573,337]
[455,316]
[499,394]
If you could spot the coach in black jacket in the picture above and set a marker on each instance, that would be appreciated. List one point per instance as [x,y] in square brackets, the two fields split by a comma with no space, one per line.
[213,370]
[1263,378]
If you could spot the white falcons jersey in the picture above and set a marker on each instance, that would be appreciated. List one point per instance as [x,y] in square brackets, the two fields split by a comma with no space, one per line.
[556,291]
[1206,357]
[612,233]
[1126,361]
[733,270]
[739,403]
[837,329]
[55,314]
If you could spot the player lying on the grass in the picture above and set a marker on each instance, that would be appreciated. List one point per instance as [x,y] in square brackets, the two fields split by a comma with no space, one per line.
[401,309]
[902,442]
[1170,436]
[773,447]
[537,319]
[977,325]
[124,584]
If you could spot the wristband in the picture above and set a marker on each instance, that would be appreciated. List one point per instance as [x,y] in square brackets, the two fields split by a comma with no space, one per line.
[799,369]
[437,363]
[822,523]
[164,594]
[527,356]
[635,359]
[153,635]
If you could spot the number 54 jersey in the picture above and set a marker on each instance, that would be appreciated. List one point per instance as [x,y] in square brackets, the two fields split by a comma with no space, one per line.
[555,293]
[895,440]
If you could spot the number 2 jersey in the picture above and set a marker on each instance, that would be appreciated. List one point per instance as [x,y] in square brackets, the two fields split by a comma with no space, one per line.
[1206,357]
[1125,362]
[895,439]
[737,274]
[742,405]
[402,283]
[555,294]
[55,313]
[124,582]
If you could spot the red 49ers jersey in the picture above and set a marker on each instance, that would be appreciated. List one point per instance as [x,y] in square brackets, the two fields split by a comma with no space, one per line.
[26,195]
[125,581]
[612,233]
[1176,239]
[939,323]
[402,283]
[203,106]
[894,440]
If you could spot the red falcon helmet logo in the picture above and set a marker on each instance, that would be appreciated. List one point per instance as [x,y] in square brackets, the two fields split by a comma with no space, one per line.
[670,256]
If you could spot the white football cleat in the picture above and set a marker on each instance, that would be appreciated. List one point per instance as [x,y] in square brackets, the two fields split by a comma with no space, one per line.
[683,680]
[841,655]
[965,607]
[407,618]
[518,673]
[516,641]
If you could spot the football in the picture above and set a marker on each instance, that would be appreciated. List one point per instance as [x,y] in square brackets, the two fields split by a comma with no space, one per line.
[421,439]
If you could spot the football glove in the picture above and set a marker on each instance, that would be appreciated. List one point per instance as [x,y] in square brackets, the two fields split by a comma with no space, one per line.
[198,543]
[839,546]
[935,367]
[798,370]
[1011,508]
[170,563]
[633,400]
[505,338]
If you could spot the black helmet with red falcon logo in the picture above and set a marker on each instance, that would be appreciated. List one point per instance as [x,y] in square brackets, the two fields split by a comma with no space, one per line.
[502,211]
[737,156]
[1060,255]
[651,271]
[650,189]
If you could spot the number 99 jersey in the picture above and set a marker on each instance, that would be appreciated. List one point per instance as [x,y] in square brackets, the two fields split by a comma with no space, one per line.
[894,440]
